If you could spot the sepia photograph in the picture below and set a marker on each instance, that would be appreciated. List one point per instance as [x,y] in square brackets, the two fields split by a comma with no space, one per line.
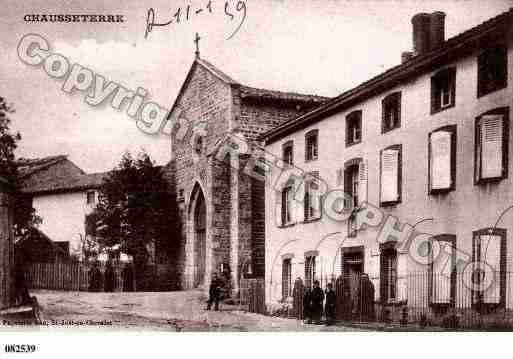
[256,166]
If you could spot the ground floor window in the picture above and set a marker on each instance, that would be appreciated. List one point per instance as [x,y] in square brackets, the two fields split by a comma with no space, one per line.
[443,270]
[489,272]
[388,273]
[309,270]
[286,278]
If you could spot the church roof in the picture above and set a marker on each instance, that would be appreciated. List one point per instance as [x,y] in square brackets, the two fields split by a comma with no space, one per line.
[214,70]
[247,92]
[452,49]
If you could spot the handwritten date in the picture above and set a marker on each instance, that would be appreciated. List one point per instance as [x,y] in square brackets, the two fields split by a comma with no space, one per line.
[186,13]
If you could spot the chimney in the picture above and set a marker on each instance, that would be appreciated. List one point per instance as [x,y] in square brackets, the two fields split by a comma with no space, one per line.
[406,56]
[421,33]
[437,29]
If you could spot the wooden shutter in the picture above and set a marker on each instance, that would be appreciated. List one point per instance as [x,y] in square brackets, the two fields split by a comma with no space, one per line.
[490,246]
[402,270]
[440,160]
[441,276]
[390,175]
[340,177]
[363,180]
[491,138]
[283,206]
[297,206]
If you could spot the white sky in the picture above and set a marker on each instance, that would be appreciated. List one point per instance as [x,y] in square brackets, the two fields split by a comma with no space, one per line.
[323,47]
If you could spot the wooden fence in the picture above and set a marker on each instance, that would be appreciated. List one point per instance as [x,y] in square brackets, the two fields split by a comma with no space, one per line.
[72,276]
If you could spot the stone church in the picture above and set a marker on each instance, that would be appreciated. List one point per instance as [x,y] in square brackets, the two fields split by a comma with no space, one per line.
[222,208]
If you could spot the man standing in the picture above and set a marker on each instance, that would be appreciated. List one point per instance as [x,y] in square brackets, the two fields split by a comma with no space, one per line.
[317,300]
[307,305]
[214,293]
[331,302]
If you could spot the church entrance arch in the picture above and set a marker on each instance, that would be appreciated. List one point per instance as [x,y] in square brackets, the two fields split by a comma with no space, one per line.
[199,212]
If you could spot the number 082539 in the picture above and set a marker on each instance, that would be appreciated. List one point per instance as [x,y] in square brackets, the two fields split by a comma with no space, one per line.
[20,348]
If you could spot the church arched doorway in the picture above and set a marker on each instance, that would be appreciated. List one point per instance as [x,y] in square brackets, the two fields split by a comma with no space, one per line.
[200,239]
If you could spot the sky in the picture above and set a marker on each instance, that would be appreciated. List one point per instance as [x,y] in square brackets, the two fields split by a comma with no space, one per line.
[319,47]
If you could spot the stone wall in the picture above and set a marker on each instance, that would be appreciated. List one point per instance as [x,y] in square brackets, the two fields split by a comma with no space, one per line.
[235,233]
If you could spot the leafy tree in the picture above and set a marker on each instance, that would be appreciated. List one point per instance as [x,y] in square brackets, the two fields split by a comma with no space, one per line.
[136,209]
[24,215]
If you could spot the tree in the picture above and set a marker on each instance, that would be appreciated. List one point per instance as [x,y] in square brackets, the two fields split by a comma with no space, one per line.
[24,214]
[8,143]
[136,209]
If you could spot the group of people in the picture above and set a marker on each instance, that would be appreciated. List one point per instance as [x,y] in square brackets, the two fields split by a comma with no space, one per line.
[313,300]
[357,301]
[106,281]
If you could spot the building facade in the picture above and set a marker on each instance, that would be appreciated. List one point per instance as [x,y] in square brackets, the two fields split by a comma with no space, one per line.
[221,208]
[404,177]
[62,195]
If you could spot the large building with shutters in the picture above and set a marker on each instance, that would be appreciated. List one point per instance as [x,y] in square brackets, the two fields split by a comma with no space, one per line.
[416,158]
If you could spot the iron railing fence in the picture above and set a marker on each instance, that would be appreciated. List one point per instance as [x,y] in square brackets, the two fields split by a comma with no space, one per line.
[453,300]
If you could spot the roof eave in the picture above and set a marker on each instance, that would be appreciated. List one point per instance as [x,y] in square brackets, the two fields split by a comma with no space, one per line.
[385,81]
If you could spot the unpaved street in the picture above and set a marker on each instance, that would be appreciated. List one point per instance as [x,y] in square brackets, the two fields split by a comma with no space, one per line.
[173,311]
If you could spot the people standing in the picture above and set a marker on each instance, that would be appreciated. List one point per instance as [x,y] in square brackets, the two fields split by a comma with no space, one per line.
[95,278]
[214,293]
[128,278]
[330,306]
[110,277]
[317,299]
[307,305]
[366,298]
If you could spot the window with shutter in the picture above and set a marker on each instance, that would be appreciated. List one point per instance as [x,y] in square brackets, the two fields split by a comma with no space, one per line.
[489,272]
[443,271]
[492,133]
[442,159]
[388,274]
[390,192]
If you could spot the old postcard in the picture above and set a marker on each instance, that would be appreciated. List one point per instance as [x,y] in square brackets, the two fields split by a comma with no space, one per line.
[244,165]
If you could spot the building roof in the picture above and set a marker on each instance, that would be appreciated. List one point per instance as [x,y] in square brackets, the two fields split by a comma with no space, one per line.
[453,48]
[247,92]
[29,166]
[34,184]
[67,184]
